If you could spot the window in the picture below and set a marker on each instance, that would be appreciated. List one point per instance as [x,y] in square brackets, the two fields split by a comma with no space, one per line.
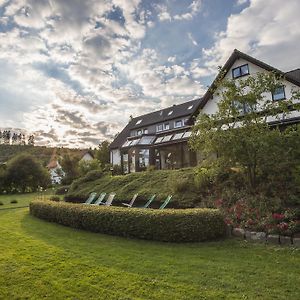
[166,126]
[178,136]
[145,130]
[139,132]
[127,144]
[240,71]
[143,158]
[187,134]
[278,94]
[159,127]
[146,140]
[243,108]
[190,107]
[167,138]
[178,124]
[134,142]
[159,140]
[170,112]
[125,163]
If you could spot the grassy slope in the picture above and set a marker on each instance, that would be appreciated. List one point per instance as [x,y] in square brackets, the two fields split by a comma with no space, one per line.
[42,153]
[144,183]
[44,260]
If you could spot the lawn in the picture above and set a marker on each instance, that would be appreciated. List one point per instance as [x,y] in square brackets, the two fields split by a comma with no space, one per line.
[45,260]
[23,199]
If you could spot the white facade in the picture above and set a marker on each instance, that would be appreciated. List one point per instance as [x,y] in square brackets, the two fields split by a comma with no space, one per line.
[87,157]
[57,174]
[211,107]
[115,157]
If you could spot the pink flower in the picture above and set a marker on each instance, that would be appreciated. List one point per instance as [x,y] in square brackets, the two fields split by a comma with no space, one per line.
[278,216]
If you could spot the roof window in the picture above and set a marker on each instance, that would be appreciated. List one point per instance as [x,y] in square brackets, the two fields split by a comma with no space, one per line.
[138,122]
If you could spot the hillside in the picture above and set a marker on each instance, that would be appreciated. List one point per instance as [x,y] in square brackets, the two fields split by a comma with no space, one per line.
[179,183]
[41,153]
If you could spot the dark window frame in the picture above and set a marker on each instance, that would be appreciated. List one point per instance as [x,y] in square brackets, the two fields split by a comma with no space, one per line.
[240,68]
[284,95]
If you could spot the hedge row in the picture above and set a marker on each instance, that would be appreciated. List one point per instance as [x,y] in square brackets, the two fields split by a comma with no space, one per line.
[180,225]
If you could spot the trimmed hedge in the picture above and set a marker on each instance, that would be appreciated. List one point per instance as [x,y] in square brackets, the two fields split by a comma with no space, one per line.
[170,225]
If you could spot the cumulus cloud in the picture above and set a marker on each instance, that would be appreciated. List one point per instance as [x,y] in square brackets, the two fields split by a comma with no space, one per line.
[269,32]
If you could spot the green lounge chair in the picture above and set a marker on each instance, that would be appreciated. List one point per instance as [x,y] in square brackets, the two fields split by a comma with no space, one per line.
[149,201]
[91,198]
[109,200]
[166,202]
[100,199]
[132,201]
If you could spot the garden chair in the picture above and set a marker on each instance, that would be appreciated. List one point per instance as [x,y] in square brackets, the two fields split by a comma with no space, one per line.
[149,201]
[166,202]
[91,198]
[100,199]
[109,200]
[132,201]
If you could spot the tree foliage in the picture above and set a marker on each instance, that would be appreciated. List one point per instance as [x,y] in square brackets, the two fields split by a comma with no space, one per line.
[24,173]
[102,153]
[240,136]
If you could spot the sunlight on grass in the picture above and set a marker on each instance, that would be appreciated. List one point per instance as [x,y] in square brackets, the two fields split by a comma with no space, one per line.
[45,260]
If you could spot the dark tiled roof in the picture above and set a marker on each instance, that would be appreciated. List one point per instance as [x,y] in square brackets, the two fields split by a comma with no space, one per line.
[292,76]
[179,110]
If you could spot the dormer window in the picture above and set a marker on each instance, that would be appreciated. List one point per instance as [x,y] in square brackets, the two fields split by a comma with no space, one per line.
[159,127]
[240,71]
[170,112]
[138,122]
[178,124]
[278,94]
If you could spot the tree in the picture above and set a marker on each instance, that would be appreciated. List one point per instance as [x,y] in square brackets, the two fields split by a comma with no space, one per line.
[87,166]
[239,134]
[102,154]
[25,173]
[70,166]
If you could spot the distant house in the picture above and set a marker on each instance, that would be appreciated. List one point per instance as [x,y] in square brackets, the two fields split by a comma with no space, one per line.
[160,138]
[87,156]
[55,169]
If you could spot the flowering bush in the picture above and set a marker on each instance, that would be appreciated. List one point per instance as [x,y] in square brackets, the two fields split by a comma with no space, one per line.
[242,215]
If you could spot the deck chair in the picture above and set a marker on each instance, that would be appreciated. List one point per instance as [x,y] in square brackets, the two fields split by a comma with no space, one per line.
[100,199]
[132,201]
[91,198]
[166,202]
[149,201]
[109,200]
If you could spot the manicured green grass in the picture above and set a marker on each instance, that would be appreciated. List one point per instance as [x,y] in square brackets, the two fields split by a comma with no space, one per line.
[23,199]
[44,260]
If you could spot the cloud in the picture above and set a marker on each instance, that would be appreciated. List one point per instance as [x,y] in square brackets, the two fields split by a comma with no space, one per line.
[269,32]
[194,9]
[190,36]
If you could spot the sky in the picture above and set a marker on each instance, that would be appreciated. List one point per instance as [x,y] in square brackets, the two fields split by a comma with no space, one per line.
[72,72]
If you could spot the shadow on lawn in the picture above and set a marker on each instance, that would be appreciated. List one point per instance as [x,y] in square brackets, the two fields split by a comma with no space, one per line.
[65,237]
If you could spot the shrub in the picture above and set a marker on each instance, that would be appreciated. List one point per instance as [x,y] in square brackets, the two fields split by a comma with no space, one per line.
[179,185]
[14,201]
[55,198]
[1,203]
[189,225]
[62,190]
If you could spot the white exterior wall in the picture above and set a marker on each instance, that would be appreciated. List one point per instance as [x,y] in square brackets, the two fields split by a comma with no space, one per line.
[211,106]
[87,157]
[115,157]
